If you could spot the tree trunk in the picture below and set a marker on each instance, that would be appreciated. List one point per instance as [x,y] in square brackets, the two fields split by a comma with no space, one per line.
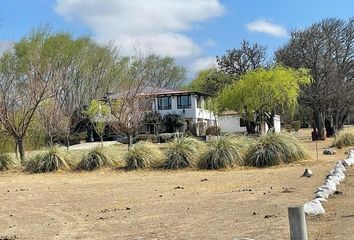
[21,149]
[269,119]
[319,127]
[51,141]
[101,139]
[16,150]
[130,140]
[67,144]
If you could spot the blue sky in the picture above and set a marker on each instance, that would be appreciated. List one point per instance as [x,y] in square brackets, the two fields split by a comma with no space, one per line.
[192,31]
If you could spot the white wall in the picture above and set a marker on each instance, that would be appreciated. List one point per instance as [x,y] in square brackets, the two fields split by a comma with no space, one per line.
[193,112]
[277,124]
[230,124]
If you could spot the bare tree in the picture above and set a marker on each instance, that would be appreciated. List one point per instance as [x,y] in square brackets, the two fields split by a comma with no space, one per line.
[327,49]
[133,98]
[237,61]
[24,84]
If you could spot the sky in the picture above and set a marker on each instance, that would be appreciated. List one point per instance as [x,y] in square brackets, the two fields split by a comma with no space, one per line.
[194,32]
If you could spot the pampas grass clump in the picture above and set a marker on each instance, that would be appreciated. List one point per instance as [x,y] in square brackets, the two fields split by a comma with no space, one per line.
[53,159]
[143,155]
[94,159]
[183,152]
[273,149]
[6,162]
[344,138]
[222,152]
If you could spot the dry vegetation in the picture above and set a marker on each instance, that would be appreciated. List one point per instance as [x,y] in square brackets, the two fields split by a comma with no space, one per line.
[170,204]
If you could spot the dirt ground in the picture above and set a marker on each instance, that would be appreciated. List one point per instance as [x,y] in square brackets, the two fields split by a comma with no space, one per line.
[244,203]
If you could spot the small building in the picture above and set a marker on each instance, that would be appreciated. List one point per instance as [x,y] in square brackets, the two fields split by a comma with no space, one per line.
[231,122]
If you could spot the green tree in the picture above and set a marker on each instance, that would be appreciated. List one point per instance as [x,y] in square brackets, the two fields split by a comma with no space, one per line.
[98,112]
[259,93]
[210,81]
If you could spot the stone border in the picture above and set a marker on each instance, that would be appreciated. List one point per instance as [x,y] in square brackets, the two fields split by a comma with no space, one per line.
[333,179]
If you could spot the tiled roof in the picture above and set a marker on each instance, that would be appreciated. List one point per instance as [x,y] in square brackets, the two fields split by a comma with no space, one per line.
[150,91]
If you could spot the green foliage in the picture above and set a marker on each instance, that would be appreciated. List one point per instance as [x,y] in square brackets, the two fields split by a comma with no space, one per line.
[183,152]
[164,72]
[210,81]
[94,159]
[172,122]
[53,159]
[7,143]
[344,138]
[213,131]
[273,149]
[296,125]
[35,138]
[222,152]
[98,113]
[263,90]
[143,155]
[6,162]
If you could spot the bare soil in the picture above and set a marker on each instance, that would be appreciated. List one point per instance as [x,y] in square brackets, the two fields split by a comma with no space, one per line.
[234,204]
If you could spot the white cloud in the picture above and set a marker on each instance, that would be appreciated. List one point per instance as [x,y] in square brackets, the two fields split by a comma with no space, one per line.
[209,43]
[158,24]
[203,63]
[264,26]
[5,46]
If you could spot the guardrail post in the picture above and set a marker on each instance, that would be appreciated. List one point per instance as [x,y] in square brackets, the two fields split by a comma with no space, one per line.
[297,222]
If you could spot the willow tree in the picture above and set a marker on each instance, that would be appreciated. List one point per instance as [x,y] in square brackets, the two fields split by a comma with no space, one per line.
[258,94]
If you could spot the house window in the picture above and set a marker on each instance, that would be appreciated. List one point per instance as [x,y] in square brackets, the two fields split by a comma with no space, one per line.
[164,103]
[184,101]
[199,102]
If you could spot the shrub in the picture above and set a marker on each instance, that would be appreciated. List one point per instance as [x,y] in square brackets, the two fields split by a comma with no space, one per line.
[296,125]
[182,153]
[344,138]
[222,152]
[273,149]
[51,160]
[146,137]
[172,122]
[6,162]
[94,159]
[213,130]
[142,155]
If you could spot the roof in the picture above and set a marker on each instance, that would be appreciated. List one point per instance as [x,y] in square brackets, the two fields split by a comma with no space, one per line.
[151,91]
[229,113]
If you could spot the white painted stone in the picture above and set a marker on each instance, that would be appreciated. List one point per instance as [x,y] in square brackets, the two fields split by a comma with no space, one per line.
[314,208]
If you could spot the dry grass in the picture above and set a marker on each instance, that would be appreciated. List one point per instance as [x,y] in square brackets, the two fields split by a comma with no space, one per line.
[273,149]
[143,155]
[147,204]
[222,152]
[51,160]
[94,159]
[183,153]
[344,138]
[6,162]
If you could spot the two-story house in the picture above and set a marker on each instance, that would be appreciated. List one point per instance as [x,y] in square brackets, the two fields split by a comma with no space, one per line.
[190,105]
